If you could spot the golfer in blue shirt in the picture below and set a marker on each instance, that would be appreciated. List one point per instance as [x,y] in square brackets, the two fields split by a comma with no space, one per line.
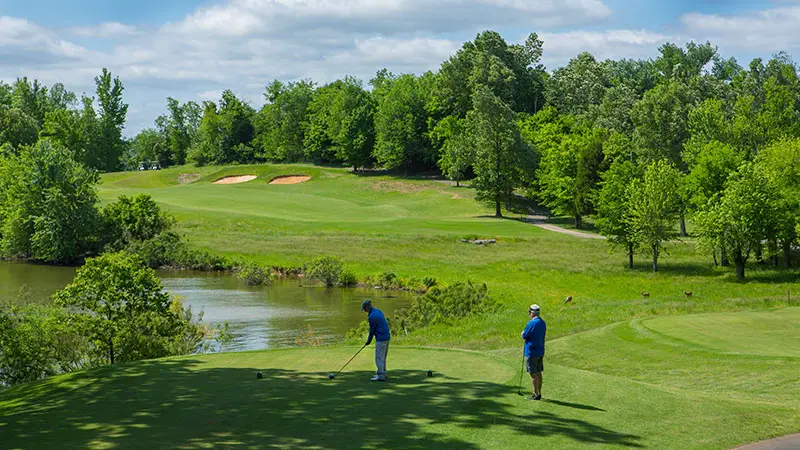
[534,334]
[379,329]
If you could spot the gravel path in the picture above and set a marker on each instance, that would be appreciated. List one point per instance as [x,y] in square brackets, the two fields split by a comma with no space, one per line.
[791,442]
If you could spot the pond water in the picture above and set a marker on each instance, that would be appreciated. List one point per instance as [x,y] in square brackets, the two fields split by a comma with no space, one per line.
[259,317]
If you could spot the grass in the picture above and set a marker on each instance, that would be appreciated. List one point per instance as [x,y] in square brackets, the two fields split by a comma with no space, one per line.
[715,370]
[412,227]
[618,386]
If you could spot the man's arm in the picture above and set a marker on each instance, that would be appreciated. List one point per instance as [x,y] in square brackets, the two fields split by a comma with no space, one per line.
[373,328]
[527,331]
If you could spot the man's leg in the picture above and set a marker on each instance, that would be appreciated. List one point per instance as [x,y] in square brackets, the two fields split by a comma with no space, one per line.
[537,384]
[381,351]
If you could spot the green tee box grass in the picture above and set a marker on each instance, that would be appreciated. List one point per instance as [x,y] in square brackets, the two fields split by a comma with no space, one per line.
[216,401]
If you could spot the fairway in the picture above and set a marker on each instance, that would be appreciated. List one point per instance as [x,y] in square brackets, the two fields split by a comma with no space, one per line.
[412,227]
[470,402]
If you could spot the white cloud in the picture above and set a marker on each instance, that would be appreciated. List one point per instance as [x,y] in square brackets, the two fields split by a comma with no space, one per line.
[766,31]
[559,48]
[106,30]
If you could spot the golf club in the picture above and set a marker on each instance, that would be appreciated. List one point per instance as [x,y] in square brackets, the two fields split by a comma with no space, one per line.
[332,376]
[519,386]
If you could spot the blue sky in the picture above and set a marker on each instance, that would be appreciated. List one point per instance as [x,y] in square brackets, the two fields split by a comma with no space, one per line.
[192,49]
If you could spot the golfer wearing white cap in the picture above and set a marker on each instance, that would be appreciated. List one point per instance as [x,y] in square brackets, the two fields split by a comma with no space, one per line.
[534,334]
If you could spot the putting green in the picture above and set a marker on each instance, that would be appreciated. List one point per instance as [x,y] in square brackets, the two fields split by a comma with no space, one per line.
[768,333]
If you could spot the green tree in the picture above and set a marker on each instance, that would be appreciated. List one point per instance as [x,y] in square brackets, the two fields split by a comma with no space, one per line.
[48,205]
[36,342]
[502,158]
[661,119]
[401,124]
[328,269]
[109,144]
[121,307]
[132,219]
[614,207]
[742,217]
[711,167]
[179,128]
[581,84]
[655,207]
[281,124]
[150,145]
[780,163]
[458,151]
[17,128]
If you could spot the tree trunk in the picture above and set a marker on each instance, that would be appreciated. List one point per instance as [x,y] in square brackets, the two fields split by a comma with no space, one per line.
[724,258]
[739,260]
[578,221]
[714,253]
[760,254]
[111,350]
[630,256]
[683,226]
[457,185]
[655,258]
[497,211]
[787,253]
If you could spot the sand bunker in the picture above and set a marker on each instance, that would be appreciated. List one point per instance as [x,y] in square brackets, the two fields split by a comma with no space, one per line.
[236,179]
[290,179]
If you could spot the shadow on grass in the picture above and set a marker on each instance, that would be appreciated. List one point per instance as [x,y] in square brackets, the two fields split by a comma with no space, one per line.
[173,404]
[573,405]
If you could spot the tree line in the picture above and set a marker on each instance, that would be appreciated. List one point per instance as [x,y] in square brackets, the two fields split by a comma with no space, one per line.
[638,146]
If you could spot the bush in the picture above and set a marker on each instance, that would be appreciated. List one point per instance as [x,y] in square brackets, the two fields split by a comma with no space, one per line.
[169,250]
[328,269]
[348,279]
[254,275]
[429,282]
[38,341]
[131,219]
[441,305]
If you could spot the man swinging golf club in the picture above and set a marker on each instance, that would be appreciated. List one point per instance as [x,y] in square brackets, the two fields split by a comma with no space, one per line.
[379,329]
[534,334]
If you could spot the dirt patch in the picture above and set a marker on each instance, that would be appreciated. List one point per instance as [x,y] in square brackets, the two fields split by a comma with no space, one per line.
[236,179]
[290,179]
[398,186]
[187,178]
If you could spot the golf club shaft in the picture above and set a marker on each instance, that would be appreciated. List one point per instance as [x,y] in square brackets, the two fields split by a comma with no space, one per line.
[354,357]
[521,369]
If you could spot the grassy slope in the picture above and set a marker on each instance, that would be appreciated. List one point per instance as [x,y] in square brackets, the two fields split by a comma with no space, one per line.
[412,228]
[622,386]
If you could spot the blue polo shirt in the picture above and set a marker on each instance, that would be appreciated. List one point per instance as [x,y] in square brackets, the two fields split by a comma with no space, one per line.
[378,326]
[534,337]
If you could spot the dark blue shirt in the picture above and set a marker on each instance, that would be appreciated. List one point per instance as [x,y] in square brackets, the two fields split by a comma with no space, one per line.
[534,337]
[378,326]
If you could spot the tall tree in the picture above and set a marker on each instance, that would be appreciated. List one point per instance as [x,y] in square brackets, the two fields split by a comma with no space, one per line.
[655,207]
[48,204]
[111,121]
[614,207]
[582,83]
[401,139]
[281,124]
[742,218]
[501,156]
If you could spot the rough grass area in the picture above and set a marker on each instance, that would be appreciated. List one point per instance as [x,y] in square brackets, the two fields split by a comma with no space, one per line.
[619,386]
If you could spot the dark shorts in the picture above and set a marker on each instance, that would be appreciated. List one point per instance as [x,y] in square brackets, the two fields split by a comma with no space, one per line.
[534,364]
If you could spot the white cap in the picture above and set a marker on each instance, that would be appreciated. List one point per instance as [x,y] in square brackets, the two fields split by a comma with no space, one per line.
[534,307]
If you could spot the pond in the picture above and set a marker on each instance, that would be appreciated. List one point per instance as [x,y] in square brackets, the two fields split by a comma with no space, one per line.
[259,317]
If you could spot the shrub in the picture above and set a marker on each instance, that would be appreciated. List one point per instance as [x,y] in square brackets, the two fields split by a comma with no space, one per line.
[388,280]
[440,305]
[429,282]
[132,219]
[328,269]
[169,250]
[348,279]
[254,275]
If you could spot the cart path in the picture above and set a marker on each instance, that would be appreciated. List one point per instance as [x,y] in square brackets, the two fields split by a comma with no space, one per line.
[790,442]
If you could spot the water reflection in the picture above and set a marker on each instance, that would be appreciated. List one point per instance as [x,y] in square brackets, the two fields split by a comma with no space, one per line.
[259,317]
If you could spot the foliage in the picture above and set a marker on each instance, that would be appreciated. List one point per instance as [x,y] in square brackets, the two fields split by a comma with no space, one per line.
[614,207]
[742,217]
[109,146]
[502,158]
[401,124]
[655,207]
[48,206]
[121,307]
[132,219]
[445,304]
[348,279]
[253,274]
[327,269]
[37,342]
[581,84]
[169,250]
[281,124]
